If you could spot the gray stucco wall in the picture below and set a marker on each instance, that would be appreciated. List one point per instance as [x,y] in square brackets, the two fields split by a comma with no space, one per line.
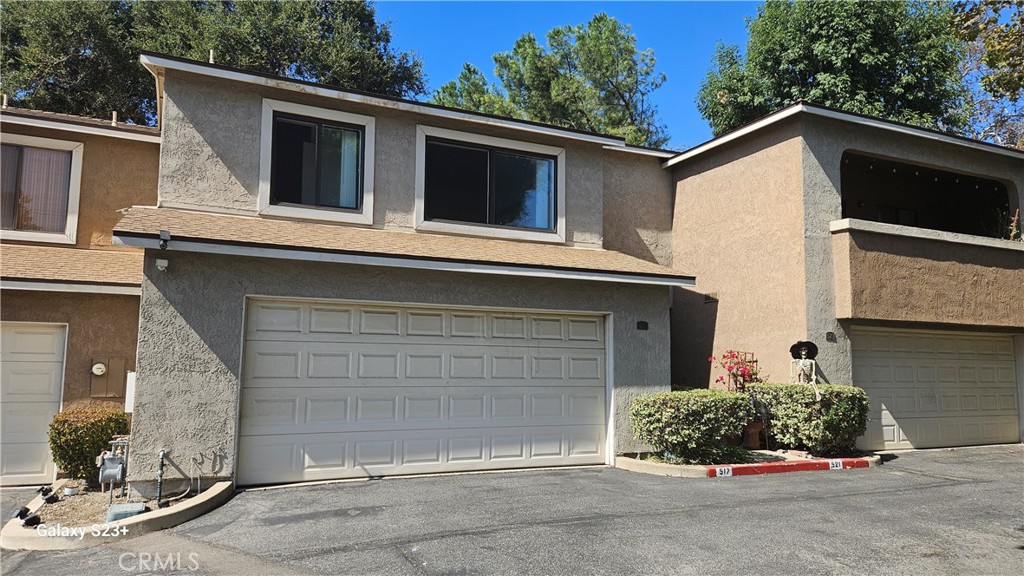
[190,340]
[210,157]
[825,140]
[638,204]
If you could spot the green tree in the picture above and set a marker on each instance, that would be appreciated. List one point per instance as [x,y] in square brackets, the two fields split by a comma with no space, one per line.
[894,60]
[588,77]
[82,57]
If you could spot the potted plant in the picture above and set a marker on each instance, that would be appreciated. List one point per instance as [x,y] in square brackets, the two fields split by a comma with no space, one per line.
[72,487]
[741,369]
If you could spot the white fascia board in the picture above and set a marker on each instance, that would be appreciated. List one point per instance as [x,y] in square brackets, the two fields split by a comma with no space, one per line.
[155,63]
[70,287]
[395,262]
[843,117]
[753,127]
[643,151]
[80,128]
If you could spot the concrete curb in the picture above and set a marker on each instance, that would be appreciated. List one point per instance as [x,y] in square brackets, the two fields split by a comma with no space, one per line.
[14,536]
[791,464]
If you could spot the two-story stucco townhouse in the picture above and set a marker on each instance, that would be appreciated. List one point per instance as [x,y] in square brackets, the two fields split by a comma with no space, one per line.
[69,300]
[344,285]
[884,244]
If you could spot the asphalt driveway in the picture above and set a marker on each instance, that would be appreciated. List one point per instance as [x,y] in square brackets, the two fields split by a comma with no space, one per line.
[928,512]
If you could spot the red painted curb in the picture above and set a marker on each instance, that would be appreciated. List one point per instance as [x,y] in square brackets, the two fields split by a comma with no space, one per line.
[787,466]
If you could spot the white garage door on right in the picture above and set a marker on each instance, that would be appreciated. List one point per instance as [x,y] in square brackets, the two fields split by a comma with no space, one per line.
[932,389]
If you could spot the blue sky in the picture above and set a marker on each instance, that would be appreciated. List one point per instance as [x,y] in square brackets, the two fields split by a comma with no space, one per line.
[682,34]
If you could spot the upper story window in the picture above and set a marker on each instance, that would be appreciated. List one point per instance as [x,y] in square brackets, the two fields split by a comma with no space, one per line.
[316,163]
[41,182]
[485,186]
[883,190]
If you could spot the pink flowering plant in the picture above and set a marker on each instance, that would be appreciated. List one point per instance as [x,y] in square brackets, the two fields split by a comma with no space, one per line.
[740,369]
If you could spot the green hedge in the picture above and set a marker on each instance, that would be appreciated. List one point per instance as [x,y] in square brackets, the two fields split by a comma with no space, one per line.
[691,425]
[77,436]
[829,427]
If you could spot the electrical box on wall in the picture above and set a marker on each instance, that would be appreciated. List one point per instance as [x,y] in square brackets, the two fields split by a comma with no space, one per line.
[107,374]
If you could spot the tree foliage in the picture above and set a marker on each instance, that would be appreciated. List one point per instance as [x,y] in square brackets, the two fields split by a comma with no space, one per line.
[999,27]
[588,77]
[82,57]
[894,60]
[993,68]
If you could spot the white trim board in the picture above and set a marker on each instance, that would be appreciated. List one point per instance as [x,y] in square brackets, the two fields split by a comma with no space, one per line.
[111,132]
[857,225]
[842,116]
[70,287]
[154,63]
[393,262]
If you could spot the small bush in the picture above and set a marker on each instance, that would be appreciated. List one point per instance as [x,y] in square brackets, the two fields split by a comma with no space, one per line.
[77,437]
[826,428]
[690,426]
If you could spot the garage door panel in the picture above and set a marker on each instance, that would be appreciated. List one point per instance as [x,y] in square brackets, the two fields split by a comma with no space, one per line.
[360,455]
[317,410]
[276,364]
[31,381]
[963,391]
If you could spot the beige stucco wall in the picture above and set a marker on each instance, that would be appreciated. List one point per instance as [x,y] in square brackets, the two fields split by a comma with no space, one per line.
[898,278]
[210,158]
[825,141]
[638,202]
[190,340]
[99,325]
[738,226]
[116,174]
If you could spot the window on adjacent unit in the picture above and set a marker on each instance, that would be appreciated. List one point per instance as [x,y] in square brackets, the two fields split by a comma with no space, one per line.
[481,185]
[39,188]
[316,163]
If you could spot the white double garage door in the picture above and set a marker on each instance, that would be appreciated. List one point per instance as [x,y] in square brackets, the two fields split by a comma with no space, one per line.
[346,390]
[933,389]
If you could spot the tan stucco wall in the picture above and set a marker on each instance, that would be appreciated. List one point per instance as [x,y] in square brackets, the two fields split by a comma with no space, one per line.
[825,141]
[896,278]
[738,226]
[116,174]
[99,325]
[638,202]
[210,158]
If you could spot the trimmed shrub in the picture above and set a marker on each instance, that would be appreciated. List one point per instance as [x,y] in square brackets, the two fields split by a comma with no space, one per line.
[77,436]
[691,425]
[826,428]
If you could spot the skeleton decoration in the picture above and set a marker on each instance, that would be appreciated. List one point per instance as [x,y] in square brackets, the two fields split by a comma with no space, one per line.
[803,369]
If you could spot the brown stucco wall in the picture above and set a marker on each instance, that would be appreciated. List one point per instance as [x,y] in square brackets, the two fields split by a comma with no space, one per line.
[116,174]
[99,325]
[896,278]
[738,226]
[638,202]
[211,153]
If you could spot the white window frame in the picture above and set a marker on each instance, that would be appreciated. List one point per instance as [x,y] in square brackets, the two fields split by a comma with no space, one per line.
[490,231]
[362,216]
[70,232]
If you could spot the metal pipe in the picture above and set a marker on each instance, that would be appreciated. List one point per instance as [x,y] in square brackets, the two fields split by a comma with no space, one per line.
[160,480]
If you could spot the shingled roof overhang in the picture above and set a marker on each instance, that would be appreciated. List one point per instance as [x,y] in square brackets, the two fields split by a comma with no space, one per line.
[298,240]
